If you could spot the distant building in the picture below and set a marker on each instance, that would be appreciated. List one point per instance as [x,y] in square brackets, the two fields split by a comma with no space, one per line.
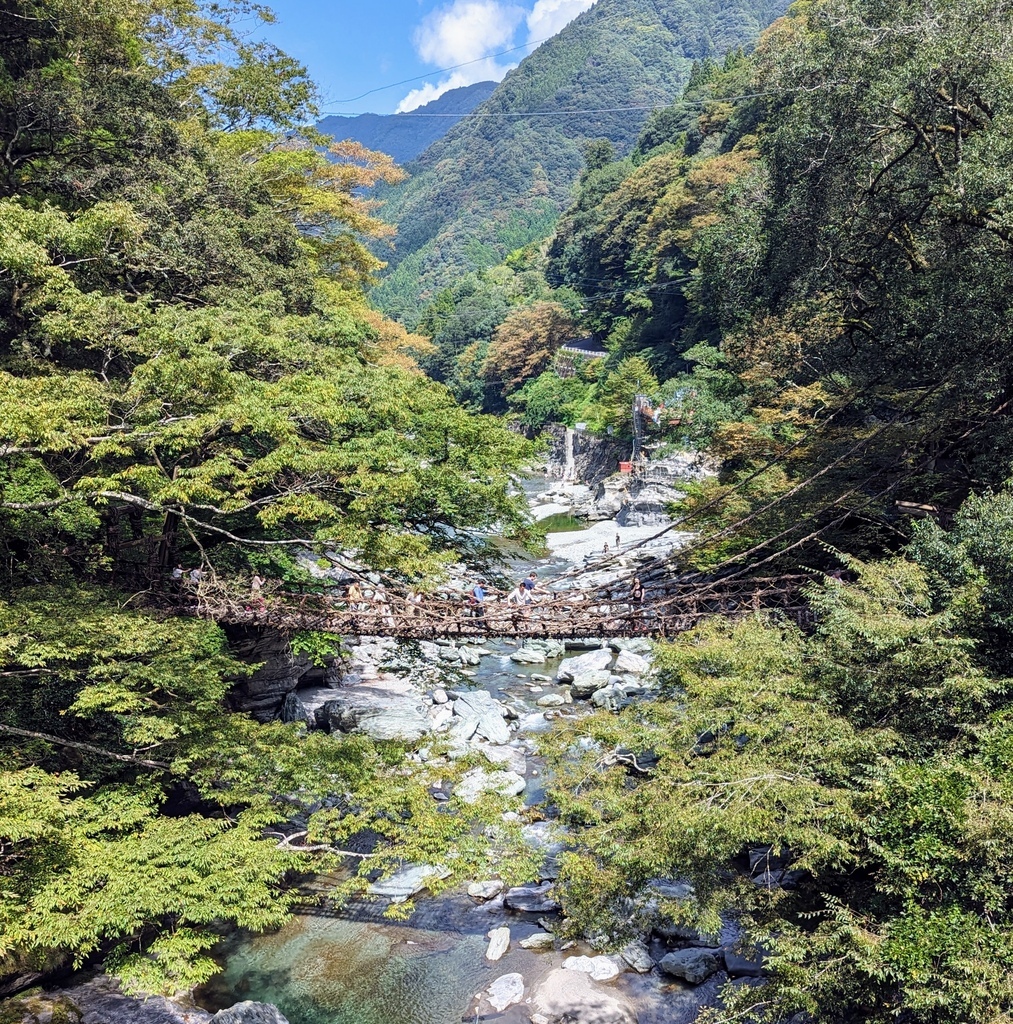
[586,348]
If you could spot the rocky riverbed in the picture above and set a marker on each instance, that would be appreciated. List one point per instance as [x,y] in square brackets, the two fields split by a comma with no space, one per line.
[479,952]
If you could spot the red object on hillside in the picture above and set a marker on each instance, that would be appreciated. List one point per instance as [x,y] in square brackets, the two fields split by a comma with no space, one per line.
[625,467]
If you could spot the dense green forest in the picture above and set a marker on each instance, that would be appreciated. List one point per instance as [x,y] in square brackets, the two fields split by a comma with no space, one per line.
[498,180]
[189,372]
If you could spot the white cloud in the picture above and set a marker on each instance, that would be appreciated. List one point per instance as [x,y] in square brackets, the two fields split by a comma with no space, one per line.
[461,32]
[547,17]
[484,71]
[466,31]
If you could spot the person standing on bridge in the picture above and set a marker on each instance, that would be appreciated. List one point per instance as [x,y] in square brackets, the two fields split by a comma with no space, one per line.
[257,603]
[477,599]
[520,596]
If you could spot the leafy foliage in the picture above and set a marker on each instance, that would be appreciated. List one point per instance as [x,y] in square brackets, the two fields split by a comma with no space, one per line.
[189,370]
[865,757]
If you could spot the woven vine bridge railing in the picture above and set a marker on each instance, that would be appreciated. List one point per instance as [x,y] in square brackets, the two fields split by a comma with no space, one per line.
[664,611]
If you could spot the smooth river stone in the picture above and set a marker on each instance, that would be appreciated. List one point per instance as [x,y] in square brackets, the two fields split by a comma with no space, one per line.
[638,956]
[539,941]
[551,700]
[693,965]
[499,943]
[404,884]
[627,661]
[534,899]
[593,661]
[505,991]
[574,996]
[586,684]
[600,968]
[485,890]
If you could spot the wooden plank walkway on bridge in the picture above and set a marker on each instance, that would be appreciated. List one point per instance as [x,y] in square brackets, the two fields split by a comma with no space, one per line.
[555,614]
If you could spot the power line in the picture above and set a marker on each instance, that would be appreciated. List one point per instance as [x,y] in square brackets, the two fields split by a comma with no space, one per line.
[535,113]
[578,112]
[441,71]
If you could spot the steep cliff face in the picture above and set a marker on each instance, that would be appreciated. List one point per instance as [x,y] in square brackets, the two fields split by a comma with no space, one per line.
[279,671]
[603,492]
[593,458]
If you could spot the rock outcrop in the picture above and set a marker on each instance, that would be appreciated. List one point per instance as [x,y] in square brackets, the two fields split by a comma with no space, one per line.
[692,965]
[99,1000]
[574,996]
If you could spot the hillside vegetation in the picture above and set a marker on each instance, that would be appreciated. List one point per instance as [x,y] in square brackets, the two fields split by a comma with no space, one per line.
[499,179]
[814,253]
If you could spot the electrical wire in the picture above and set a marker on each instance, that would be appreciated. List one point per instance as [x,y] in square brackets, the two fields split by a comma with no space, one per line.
[440,71]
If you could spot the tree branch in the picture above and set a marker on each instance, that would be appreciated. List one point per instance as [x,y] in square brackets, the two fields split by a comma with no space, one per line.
[28,734]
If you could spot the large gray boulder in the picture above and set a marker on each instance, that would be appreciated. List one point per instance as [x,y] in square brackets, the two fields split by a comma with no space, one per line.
[481,715]
[586,684]
[634,644]
[380,715]
[627,661]
[505,991]
[248,1012]
[307,706]
[535,899]
[499,943]
[528,656]
[638,956]
[612,697]
[485,890]
[407,882]
[600,968]
[574,996]
[692,965]
[550,648]
[593,661]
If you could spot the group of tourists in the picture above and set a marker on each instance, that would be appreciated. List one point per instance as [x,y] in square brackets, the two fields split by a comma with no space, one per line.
[181,576]
[521,596]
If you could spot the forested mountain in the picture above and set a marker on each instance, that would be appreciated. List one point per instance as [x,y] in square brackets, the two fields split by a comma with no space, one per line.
[404,136]
[498,181]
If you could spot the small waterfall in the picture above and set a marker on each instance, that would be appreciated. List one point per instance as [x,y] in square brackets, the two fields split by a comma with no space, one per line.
[570,467]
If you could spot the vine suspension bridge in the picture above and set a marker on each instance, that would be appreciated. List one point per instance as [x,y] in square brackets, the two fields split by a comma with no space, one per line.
[666,609]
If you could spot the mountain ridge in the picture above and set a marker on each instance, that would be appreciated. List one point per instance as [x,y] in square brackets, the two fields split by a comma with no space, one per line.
[406,136]
[497,182]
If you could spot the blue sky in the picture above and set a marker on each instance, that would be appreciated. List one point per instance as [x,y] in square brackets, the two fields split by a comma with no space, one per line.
[352,48]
